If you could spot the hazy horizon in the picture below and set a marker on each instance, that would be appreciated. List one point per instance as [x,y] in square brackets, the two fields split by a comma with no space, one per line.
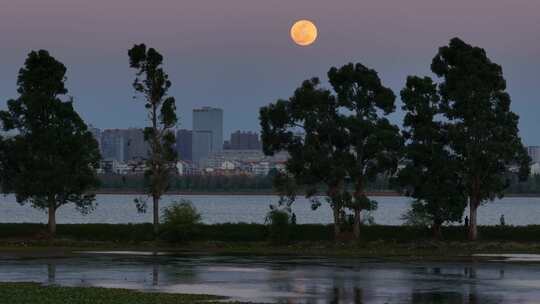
[237,54]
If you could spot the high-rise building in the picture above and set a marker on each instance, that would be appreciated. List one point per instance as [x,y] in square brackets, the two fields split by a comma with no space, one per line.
[123,145]
[135,147]
[112,145]
[184,144]
[207,132]
[534,153]
[243,141]
[202,145]
[96,132]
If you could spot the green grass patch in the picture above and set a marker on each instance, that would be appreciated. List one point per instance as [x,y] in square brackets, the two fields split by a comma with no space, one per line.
[243,233]
[28,293]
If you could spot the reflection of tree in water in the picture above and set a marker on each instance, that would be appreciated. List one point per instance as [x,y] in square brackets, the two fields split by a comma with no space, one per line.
[51,273]
[166,269]
[155,274]
[338,288]
[437,297]
[429,297]
[344,295]
[345,291]
[466,279]
[470,272]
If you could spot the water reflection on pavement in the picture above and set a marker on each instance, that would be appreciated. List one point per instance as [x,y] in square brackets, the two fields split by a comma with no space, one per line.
[289,280]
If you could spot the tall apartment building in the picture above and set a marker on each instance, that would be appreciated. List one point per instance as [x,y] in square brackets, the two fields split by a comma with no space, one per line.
[243,141]
[534,153]
[123,145]
[207,132]
[135,147]
[112,145]
[202,145]
[184,144]
[96,132]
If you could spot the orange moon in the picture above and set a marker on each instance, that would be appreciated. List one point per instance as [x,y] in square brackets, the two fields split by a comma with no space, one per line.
[304,32]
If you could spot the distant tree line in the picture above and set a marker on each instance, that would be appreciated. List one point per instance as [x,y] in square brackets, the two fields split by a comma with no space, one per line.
[530,186]
[215,183]
[265,183]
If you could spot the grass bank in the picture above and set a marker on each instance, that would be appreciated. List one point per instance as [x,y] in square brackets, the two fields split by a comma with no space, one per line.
[25,293]
[242,232]
[399,242]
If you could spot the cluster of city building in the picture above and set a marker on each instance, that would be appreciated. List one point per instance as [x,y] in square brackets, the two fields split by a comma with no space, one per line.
[534,153]
[201,150]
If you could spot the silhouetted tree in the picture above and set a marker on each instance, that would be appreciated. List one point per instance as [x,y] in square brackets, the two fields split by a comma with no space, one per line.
[484,131]
[307,127]
[375,144]
[333,140]
[153,83]
[431,175]
[51,159]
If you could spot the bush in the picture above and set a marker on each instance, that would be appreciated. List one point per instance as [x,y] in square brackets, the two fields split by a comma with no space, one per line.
[279,223]
[180,221]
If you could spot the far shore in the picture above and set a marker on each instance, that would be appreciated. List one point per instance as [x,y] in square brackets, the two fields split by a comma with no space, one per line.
[266,193]
[222,193]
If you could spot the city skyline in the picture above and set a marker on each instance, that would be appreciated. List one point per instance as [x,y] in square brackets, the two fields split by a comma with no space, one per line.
[242,65]
[205,140]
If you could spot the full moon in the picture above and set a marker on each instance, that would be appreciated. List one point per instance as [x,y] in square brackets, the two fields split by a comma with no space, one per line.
[304,32]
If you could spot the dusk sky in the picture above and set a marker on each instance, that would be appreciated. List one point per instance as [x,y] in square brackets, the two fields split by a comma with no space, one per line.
[237,54]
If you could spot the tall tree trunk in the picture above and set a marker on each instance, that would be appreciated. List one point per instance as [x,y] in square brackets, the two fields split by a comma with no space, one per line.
[337,222]
[51,273]
[356,226]
[155,199]
[473,229]
[52,218]
[436,229]
[155,274]
[358,193]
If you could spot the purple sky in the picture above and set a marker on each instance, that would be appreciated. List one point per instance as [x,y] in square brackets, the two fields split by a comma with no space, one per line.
[236,54]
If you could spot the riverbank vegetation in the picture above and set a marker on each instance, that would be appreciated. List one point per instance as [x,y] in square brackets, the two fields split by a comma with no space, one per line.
[244,184]
[243,232]
[384,243]
[24,293]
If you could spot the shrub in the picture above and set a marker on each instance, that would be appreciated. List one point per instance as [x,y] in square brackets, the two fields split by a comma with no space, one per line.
[180,221]
[416,217]
[279,223]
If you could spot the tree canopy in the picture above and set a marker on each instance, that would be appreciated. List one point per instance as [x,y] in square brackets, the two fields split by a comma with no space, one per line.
[484,131]
[51,160]
[374,144]
[336,138]
[153,84]
[431,174]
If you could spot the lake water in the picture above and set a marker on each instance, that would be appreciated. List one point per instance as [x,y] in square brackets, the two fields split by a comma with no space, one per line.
[253,208]
[289,279]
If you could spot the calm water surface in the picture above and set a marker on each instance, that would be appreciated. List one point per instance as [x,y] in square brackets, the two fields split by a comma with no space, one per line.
[290,280]
[221,209]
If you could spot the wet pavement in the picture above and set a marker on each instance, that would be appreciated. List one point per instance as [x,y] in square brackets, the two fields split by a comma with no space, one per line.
[290,279]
